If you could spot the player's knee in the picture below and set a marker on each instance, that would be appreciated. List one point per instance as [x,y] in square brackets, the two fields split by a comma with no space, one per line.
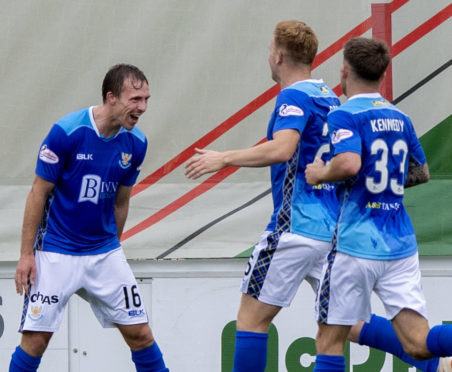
[139,338]
[253,324]
[417,350]
[35,343]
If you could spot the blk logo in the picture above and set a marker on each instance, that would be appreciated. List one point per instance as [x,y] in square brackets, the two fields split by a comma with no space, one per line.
[85,157]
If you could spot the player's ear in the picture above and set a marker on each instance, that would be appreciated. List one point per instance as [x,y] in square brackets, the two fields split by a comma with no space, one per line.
[110,98]
[279,56]
[344,70]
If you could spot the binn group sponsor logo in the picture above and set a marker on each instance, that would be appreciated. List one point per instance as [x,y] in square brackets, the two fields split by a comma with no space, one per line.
[93,188]
[47,155]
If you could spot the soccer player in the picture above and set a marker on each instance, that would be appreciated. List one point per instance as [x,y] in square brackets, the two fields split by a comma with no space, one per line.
[298,238]
[74,216]
[377,153]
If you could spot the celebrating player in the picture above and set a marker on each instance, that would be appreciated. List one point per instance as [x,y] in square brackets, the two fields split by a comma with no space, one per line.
[74,216]
[298,238]
[376,151]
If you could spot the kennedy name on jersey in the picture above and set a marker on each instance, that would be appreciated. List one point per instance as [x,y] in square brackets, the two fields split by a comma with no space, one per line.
[93,188]
[382,125]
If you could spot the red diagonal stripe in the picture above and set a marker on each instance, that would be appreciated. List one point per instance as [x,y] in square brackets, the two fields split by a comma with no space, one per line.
[180,202]
[207,139]
[404,43]
[422,30]
[184,199]
[250,108]
[243,113]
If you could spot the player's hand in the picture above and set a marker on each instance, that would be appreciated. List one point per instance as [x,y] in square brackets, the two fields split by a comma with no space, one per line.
[313,172]
[207,161]
[25,273]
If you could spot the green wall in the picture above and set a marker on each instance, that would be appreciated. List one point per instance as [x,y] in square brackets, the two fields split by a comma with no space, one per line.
[430,205]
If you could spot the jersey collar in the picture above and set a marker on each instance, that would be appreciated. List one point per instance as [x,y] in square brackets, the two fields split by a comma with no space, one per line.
[94,125]
[316,81]
[366,95]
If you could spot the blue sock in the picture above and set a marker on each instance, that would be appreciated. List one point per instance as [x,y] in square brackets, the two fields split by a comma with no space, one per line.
[250,351]
[149,359]
[23,362]
[439,340]
[329,363]
[380,334]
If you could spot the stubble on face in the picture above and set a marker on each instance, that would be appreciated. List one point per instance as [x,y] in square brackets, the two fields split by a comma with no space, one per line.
[133,102]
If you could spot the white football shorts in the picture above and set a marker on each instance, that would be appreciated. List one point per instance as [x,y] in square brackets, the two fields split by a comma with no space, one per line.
[278,265]
[105,280]
[345,293]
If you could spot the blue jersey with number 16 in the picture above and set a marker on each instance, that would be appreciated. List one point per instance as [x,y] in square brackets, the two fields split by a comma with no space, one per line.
[373,222]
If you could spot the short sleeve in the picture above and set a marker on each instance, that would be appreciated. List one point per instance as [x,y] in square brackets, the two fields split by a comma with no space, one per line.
[291,110]
[52,154]
[345,137]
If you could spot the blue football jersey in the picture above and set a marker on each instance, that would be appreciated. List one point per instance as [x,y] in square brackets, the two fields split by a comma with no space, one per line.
[373,222]
[298,207]
[87,170]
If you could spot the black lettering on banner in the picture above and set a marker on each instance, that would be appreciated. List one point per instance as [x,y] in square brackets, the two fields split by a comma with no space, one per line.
[2,323]
[136,300]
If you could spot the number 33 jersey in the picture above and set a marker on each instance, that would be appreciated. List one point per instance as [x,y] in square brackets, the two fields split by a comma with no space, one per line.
[373,222]
[87,170]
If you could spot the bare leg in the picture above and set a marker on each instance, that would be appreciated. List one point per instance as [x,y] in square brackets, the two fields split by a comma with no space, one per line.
[253,321]
[145,352]
[255,316]
[412,330]
[331,339]
[355,331]
[137,336]
[35,343]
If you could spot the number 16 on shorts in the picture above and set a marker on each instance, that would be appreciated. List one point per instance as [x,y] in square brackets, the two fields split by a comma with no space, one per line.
[132,300]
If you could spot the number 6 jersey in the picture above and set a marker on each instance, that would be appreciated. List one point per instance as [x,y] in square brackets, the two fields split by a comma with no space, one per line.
[373,222]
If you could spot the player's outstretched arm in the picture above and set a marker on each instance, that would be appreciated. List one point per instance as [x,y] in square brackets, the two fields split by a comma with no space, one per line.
[34,209]
[280,149]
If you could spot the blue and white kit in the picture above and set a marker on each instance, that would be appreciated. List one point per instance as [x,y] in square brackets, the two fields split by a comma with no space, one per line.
[373,221]
[298,236]
[87,170]
[76,248]
[374,246]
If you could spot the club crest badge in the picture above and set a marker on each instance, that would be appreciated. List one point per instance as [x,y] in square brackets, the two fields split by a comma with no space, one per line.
[124,162]
[35,312]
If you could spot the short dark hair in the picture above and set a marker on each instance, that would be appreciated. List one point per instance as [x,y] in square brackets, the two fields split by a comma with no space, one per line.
[368,58]
[116,75]
[298,39]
